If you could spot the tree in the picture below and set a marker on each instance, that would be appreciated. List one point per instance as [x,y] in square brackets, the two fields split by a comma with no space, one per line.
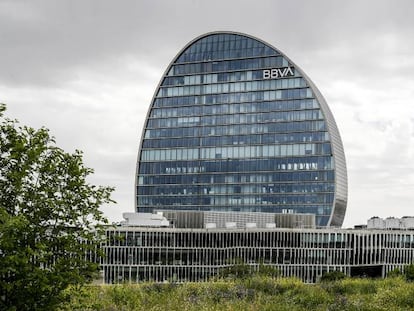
[50,222]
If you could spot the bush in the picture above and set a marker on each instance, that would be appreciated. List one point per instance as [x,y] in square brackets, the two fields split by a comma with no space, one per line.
[241,270]
[395,273]
[254,293]
[333,276]
[409,272]
[267,270]
[238,270]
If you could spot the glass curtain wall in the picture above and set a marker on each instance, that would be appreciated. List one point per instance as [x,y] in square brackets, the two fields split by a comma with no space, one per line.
[234,126]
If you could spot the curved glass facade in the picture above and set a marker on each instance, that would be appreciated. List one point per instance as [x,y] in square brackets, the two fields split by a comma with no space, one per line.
[236,126]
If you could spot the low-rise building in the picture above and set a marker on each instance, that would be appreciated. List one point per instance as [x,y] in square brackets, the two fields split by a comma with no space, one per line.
[135,254]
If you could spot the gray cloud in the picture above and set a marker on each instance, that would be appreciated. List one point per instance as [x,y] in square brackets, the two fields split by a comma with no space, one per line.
[88,69]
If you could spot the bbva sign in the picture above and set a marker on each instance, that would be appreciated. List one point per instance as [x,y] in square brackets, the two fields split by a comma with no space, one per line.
[275,73]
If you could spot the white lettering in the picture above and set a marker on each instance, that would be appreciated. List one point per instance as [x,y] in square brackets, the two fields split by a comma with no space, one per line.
[266,74]
[289,71]
[276,73]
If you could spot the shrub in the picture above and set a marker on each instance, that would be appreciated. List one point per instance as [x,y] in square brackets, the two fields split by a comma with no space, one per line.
[333,276]
[238,270]
[267,270]
[409,272]
[394,273]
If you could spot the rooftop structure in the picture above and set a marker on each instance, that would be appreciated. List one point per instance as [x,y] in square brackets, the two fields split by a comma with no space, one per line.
[391,223]
[211,219]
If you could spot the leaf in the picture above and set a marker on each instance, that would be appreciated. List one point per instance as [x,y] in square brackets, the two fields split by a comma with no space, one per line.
[49,218]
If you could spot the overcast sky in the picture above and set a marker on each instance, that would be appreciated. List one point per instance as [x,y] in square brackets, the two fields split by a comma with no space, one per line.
[87,70]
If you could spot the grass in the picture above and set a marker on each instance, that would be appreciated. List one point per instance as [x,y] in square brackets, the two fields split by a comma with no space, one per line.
[254,293]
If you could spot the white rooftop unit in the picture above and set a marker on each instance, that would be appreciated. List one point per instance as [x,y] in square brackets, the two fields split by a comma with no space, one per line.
[231,225]
[376,223]
[407,222]
[145,220]
[392,223]
[211,225]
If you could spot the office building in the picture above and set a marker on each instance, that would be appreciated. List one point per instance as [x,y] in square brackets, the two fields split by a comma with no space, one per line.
[236,126]
[135,252]
[241,159]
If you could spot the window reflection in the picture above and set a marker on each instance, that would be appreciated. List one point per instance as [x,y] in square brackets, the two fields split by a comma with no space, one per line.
[220,137]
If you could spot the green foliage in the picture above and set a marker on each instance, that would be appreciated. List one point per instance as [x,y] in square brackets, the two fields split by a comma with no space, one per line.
[395,273]
[409,272]
[394,294]
[333,276]
[267,270]
[240,270]
[47,213]
[351,286]
[254,293]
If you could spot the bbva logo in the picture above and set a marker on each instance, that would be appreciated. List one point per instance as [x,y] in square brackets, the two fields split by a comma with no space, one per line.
[278,73]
